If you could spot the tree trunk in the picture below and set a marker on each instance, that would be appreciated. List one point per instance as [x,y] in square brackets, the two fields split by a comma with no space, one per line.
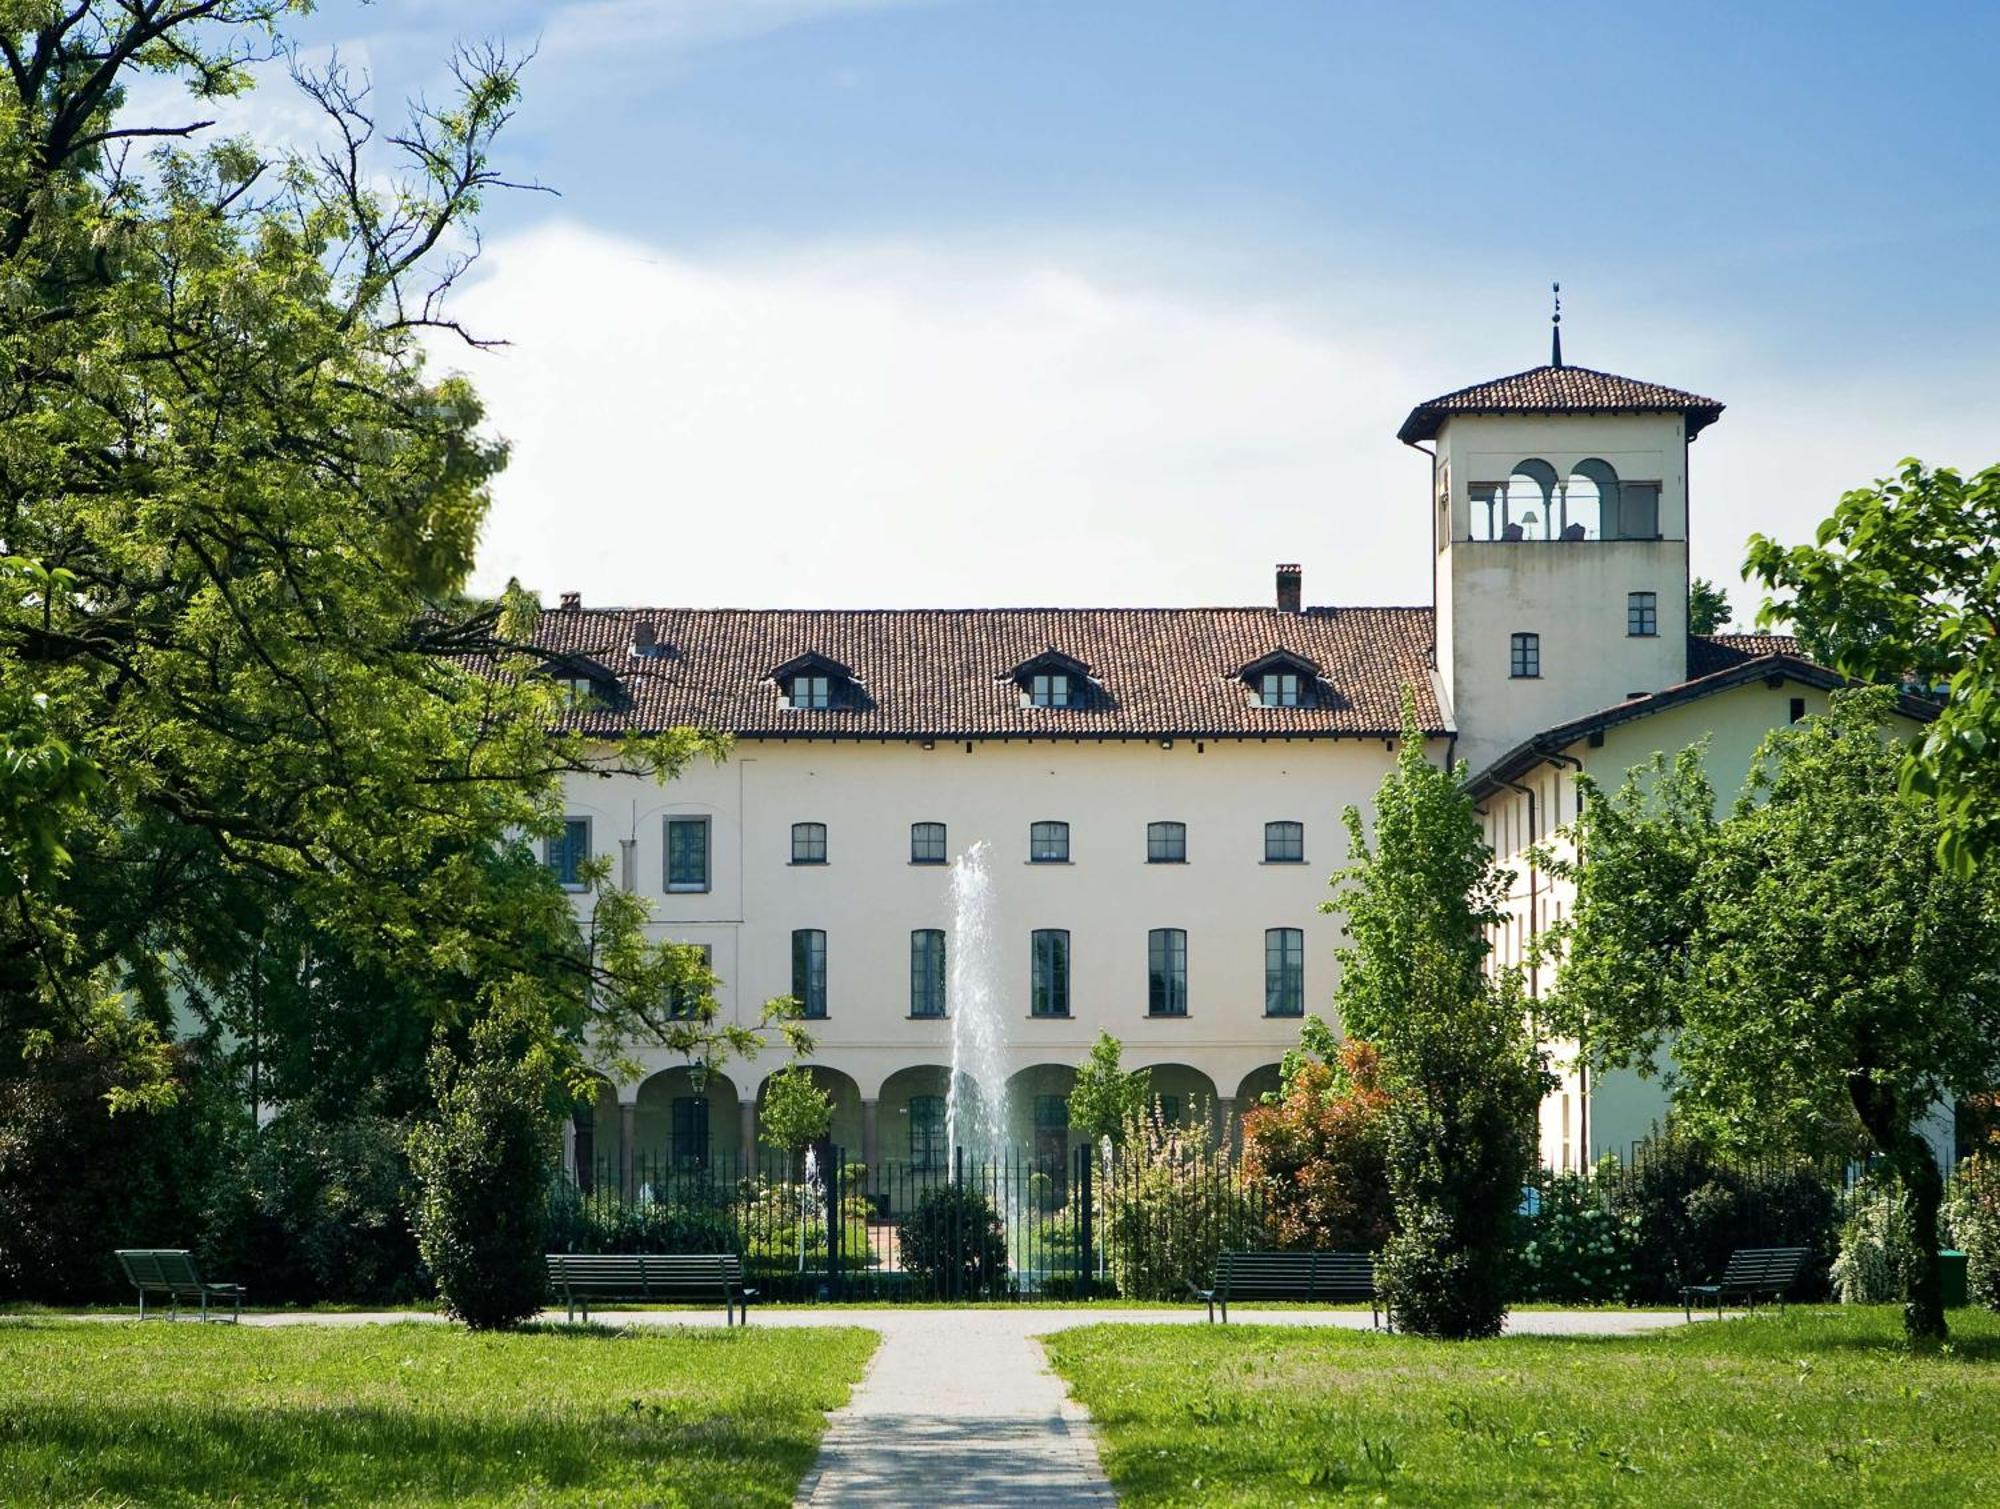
[1922,1192]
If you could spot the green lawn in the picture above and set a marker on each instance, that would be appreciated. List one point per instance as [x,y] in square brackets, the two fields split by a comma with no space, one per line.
[157,1414]
[1821,1406]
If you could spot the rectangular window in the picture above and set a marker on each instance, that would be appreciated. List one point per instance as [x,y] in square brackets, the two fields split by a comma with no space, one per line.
[1049,689]
[811,692]
[566,852]
[686,1000]
[1170,1109]
[1166,843]
[1526,659]
[1284,972]
[1048,843]
[808,843]
[687,854]
[1639,510]
[1048,985]
[1278,689]
[1166,972]
[927,843]
[927,972]
[1284,843]
[927,1132]
[690,1149]
[1051,1113]
[809,970]
[1642,615]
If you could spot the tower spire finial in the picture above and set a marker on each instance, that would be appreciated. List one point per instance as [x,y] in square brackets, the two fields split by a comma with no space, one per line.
[1556,327]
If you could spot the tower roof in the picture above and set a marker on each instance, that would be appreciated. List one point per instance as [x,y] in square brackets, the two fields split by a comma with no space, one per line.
[1560,390]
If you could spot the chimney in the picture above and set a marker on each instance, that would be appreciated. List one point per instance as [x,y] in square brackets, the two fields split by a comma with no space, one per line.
[572,602]
[1289,583]
[645,638]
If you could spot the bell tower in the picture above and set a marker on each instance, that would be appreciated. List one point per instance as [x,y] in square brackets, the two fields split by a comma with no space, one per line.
[1559,500]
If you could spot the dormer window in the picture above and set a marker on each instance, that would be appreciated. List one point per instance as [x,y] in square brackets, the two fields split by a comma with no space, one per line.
[581,679]
[1053,679]
[813,683]
[1280,679]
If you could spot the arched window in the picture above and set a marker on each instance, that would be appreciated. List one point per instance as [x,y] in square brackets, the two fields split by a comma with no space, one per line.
[1587,503]
[1526,501]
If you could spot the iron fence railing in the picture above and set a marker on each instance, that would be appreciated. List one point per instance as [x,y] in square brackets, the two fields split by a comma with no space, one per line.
[1087,1222]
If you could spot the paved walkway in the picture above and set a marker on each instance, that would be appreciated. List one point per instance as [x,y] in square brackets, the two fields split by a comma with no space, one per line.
[959,1406]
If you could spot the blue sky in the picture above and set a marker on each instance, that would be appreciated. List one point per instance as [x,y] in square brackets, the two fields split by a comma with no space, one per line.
[850,302]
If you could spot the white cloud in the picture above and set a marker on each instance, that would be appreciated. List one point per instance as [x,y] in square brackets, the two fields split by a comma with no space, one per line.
[599,25]
[890,425]
[904,425]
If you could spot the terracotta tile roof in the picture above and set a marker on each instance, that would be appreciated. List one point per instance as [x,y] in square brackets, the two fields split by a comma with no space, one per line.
[948,673]
[1560,390]
[1709,653]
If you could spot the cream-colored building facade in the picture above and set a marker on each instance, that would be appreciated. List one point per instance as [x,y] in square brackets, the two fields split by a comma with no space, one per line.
[1197,762]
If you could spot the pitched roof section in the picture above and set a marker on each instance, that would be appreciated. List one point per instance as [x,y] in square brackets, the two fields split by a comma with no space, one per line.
[1775,666]
[1560,390]
[942,673]
[1709,653]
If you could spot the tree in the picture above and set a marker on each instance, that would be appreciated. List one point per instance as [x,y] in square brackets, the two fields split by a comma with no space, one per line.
[237,516]
[1901,586]
[1463,1076]
[1624,947]
[1708,607]
[1825,982]
[1106,1097]
[796,1111]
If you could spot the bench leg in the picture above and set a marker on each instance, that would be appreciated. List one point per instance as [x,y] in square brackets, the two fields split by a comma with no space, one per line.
[1225,1309]
[142,1304]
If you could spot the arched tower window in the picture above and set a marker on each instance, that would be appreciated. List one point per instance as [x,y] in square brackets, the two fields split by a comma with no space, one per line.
[1587,503]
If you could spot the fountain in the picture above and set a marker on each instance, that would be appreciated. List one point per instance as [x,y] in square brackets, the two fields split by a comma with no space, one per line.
[976,1102]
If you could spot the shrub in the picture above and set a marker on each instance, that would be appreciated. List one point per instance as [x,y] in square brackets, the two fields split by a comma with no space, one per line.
[316,1205]
[1573,1249]
[1461,1145]
[1973,1208]
[1874,1264]
[954,1244]
[1317,1155]
[1685,1212]
[78,1181]
[482,1163]
[1174,1202]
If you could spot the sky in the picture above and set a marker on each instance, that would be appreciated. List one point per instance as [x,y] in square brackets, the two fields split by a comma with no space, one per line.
[905,303]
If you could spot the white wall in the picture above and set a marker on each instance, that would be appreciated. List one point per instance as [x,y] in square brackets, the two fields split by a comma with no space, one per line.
[868,897]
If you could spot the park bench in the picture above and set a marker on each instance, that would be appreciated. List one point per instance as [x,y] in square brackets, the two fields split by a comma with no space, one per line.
[580,1277]
[1290,1275]
[171,1272]
[1752,1272]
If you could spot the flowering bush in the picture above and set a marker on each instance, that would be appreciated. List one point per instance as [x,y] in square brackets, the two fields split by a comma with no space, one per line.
[1973,1209]
[1573,1249]
[1317,1154]
[1174,1202]
[1875,1245]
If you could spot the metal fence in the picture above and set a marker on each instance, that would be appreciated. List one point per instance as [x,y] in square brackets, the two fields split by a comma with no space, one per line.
[1083,1223]
[1019,1225]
